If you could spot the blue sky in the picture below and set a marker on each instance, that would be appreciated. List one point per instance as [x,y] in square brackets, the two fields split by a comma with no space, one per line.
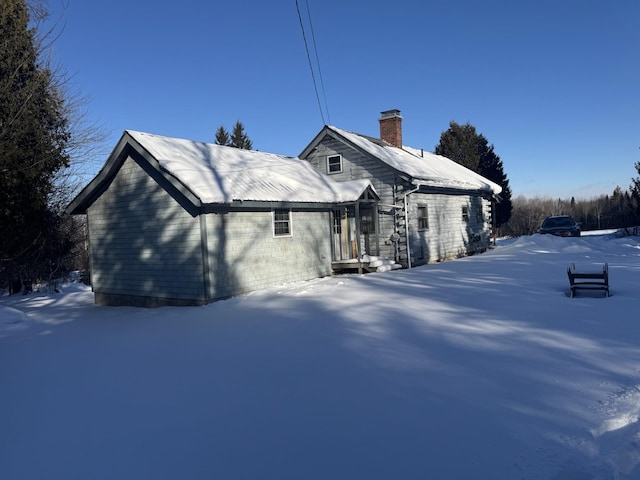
[554,85]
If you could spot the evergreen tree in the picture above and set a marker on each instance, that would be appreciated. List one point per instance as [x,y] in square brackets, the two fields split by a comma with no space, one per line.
[222,136]
[635,189]
[34,134]
[462,144]
[490,167]
[239,138]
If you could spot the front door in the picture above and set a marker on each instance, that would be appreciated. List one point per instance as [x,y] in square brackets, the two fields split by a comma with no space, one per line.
[346,230]
[344,234]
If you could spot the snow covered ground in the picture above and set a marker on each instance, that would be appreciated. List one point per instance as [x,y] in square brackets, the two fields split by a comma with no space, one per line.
[478,368]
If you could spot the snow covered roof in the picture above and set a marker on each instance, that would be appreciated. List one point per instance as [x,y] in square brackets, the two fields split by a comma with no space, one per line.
[216,174]
[425,168]
[219,174]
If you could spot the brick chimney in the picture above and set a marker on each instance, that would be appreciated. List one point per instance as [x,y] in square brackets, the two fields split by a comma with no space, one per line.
[391,127]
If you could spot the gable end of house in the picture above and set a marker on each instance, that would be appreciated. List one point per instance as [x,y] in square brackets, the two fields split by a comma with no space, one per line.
[126,148]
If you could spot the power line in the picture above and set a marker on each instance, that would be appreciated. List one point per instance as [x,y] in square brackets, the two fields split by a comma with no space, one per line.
[313,76]
[315,49]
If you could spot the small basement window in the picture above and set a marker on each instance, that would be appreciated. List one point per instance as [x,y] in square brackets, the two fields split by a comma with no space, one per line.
[334,164]
[282,223]
[423,217]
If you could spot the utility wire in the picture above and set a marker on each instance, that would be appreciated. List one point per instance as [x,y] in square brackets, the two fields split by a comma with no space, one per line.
[315,49]
[306,46]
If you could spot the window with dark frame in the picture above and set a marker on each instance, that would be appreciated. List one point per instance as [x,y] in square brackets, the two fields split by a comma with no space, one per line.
[281,222]
[465,214]
[367,225]
[337,221]
[423,217]
[334,164]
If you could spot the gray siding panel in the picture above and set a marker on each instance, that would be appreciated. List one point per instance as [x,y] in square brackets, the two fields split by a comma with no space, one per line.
[143,243]
[356,165]
[147,250]
[448,236]
[246,256]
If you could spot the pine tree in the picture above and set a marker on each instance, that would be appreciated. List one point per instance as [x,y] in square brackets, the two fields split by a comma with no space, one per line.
[239,138]
[490,166]
[635,191]
[460,144]
[34,134]
[222,136]
[463,145]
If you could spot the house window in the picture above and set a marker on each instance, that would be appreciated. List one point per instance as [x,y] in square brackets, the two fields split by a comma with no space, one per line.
[337,222]
[334,164]
[367,224]
[282,223]
[465,214]
[423,217]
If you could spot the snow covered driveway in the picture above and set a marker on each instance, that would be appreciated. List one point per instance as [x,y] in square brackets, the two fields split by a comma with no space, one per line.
[481,367]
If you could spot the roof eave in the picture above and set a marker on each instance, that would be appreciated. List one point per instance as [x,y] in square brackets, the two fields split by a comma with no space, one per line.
[101,181]
[314,143]
[428,187]
[127,147]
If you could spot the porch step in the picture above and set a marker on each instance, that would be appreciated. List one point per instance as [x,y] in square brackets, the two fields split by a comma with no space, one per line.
[380,264]
[369,264]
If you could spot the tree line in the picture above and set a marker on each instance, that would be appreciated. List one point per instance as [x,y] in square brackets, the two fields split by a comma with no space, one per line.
[35,143]
[616,211]
[523,216]
[619,210]
[46,146]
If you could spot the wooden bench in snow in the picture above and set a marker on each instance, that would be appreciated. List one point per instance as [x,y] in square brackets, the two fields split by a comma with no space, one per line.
[593,279]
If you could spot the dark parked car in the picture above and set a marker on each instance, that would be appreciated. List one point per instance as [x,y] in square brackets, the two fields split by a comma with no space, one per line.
[561,225]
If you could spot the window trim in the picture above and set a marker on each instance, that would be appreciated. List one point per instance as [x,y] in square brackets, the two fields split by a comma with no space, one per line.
[426,217]
[275,222]
[368,227]
[465,213]
[329,171]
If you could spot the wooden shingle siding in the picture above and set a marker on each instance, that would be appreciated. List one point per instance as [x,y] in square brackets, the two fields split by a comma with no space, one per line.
[245,255]
[144,244]
[448,235]
[357,165]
